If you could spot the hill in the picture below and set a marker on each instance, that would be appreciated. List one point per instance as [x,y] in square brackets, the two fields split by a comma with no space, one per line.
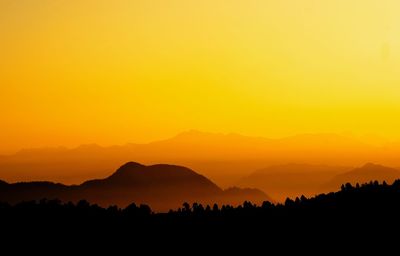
[291,180]
[368,172]
[161,186]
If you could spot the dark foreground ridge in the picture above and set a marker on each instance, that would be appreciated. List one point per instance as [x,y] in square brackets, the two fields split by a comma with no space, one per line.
[360,217]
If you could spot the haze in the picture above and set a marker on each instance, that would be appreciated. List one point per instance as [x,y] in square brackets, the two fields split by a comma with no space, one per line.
[112,72]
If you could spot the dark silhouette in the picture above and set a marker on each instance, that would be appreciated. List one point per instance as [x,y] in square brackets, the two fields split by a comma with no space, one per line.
[161,186]
[357,217]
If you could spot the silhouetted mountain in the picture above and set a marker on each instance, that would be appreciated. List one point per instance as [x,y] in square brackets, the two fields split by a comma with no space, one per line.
[161,186]
[368,172]
[291,180]
[138,176]
[223,158]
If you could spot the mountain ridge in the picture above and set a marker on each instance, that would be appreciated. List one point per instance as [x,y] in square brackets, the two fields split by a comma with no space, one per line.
[161,186]
[291,180]
[225,158]
[366,173]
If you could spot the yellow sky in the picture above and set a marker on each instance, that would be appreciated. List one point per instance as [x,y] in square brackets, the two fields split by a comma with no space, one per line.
[110,72]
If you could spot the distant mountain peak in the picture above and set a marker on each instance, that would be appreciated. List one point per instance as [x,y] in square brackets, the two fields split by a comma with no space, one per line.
[91,146]
[194,134]
[366,173]
[372,165]
[374,168]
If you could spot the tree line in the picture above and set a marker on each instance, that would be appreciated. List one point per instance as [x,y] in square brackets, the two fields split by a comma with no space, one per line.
[364,212]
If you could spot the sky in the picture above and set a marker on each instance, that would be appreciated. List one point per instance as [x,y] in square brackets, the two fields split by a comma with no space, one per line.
[111,72]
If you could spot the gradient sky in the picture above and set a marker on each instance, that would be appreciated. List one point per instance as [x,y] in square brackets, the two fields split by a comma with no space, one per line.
[117,71]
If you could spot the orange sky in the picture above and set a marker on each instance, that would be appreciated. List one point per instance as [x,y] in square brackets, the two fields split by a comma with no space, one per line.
[112,72]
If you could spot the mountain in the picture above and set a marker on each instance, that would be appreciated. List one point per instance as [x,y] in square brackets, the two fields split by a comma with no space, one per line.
[368,172]
[225,158]
[161,186]
[291,180]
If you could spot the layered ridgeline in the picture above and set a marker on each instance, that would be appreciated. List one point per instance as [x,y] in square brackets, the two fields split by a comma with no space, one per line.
[295,180]
[161,186]
[225,158]
[364,174]
[292,180]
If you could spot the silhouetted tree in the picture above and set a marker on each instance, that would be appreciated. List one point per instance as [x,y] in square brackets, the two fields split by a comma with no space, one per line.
[131,209]
[186,207]
[215,208]
[145,210]
[83,204]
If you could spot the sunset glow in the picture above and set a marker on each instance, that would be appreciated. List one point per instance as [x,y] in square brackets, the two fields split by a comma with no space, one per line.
[112,72]
[199,126]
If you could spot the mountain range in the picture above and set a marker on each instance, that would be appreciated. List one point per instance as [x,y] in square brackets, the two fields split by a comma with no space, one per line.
[161,186]
[294,180]
[367,173]
[225,158]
